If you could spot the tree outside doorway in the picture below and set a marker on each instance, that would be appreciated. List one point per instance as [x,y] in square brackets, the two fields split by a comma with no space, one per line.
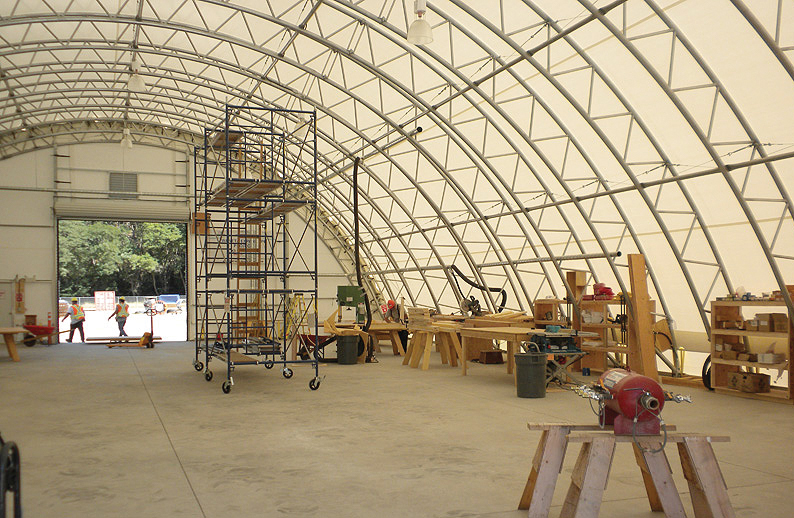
[139,260]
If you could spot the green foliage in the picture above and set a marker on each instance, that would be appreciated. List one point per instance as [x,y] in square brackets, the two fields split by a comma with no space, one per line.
[126,257]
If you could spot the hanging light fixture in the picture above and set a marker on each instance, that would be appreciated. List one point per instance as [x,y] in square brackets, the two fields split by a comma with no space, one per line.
[136,82]
[420,33]
[126,140]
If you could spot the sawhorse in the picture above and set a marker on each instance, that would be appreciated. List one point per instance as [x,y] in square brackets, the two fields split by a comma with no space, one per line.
[589,477]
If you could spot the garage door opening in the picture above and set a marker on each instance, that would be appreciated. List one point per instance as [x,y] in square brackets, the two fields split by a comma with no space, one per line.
[145,262]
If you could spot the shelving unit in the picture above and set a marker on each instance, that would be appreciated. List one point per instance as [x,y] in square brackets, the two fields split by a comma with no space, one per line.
[547,312]
[252,262]
[731,310]
[608,339]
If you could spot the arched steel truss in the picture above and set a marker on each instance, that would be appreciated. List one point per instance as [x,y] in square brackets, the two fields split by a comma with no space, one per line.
[518,165]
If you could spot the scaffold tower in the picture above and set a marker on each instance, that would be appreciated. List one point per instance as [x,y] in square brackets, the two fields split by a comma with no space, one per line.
[255,241]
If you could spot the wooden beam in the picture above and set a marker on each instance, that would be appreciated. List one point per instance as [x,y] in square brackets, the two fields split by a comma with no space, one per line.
[642,354]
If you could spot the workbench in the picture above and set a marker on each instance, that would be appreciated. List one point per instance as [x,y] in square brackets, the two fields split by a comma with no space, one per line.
[444,335]
[380,330]
[512,335]
[8,335]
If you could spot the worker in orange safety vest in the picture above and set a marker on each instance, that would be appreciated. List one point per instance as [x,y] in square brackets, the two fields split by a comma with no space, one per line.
[121,313]
[77,315]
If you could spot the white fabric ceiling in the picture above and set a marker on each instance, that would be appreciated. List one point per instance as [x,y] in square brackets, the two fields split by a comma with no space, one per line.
[628,129]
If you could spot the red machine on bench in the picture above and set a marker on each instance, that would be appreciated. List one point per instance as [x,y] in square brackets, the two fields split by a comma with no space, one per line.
[632,403]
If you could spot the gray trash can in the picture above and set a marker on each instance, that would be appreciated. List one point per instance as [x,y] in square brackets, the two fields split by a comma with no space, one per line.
[531,375]
[347,349]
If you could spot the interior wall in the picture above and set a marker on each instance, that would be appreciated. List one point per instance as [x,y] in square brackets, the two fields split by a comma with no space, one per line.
[27,236]
[39,187]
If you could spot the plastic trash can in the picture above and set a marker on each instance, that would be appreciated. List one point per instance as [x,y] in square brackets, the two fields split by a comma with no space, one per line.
[531,375]
[347,349]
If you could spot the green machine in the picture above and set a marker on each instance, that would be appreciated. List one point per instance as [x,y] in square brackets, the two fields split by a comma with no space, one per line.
[351,304]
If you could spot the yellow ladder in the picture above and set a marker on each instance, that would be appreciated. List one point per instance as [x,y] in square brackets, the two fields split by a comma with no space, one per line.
[297,317]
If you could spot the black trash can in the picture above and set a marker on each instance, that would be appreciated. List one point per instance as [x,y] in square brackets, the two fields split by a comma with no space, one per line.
[531,375]
[347,349]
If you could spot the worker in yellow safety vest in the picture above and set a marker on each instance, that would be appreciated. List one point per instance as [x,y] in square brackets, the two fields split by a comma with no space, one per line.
[77,315]
[121,313]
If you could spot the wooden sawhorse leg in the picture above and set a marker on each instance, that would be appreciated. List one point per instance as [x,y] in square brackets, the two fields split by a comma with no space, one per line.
[411,345]
[589,478]
[706,484]
[463,353]
[428,348]
[546,467]
[421,343]
[396,344]
[658,478]
[11,345]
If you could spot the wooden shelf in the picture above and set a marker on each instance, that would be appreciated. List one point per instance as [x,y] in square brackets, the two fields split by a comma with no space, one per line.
[605,349]
[742,363]
[551,322]
[611,302]
[776,395]
[739,303]
[277,209]
[602,325]
[726,310]
[742,332]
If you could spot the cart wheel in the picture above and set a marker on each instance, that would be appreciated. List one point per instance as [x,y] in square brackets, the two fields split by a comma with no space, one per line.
[287,372]
[30,340]
[208,375]
[314,384]
[226,387]
[269,364]
[198,366]
[706,373]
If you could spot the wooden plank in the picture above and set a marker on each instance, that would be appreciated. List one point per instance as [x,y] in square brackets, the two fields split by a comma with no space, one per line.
[229,191]
[642,354]
[276,209]
[256,192]
[676,437]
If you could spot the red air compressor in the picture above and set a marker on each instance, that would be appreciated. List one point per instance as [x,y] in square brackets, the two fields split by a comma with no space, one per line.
[632,403]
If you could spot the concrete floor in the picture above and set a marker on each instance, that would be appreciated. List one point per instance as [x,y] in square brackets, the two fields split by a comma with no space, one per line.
[137,432]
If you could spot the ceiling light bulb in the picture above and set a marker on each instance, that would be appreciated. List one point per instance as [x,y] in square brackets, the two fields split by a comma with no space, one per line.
[126,140]
[136,83]
[420,32]
[135,65]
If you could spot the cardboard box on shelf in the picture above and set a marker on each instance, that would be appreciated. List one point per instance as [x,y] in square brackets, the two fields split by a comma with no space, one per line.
[751,325]
[764,321]
[749,382]
[730,355]
[735,347]
[779,323]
